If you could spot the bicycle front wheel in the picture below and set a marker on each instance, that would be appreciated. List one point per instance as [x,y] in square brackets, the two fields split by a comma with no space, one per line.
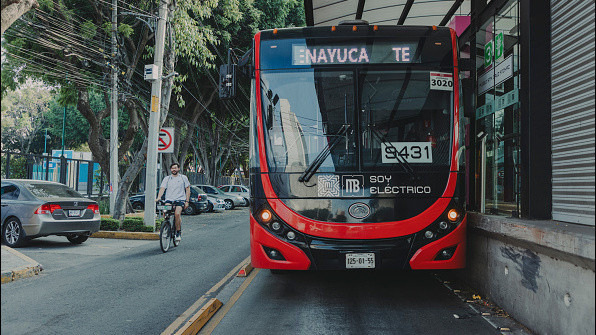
[165,235]
[174,233]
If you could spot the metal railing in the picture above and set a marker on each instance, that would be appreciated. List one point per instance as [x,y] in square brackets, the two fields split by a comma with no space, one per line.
[78,175]
[84,176]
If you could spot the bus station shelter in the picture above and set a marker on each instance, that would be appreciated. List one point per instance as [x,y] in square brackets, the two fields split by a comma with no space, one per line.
[527,71]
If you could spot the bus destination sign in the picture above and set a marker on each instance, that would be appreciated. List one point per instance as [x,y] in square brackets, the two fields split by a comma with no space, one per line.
[354,54]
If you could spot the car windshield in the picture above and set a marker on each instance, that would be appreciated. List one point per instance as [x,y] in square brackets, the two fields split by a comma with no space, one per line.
[209,190]
[44,191]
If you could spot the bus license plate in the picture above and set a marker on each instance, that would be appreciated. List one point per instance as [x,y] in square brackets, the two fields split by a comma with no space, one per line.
[360,261]
[74,212]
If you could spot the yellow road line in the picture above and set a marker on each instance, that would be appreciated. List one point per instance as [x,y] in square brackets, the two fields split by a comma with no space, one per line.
[180,320]
[226,308]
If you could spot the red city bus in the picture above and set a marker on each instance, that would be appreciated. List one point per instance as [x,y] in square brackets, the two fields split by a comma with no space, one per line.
[354,149]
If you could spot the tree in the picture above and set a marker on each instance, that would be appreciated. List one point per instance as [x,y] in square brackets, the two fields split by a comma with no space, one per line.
[23,115]
[214,131]
[13,9]
[63,43]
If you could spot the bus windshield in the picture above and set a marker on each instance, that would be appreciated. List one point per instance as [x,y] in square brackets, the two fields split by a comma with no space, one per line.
[354,120]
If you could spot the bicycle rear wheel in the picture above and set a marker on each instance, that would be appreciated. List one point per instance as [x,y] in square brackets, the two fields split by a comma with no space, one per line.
[165,235]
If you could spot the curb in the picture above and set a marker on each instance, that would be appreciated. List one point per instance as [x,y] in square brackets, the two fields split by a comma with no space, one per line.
[125,235]
[245,270]
[29,271]
[194,325]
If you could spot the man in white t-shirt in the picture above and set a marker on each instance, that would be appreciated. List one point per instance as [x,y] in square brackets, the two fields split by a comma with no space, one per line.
[177,188]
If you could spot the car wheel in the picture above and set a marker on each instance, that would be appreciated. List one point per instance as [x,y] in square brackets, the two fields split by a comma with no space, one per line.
[210,208]
[77,238]
[246,202]
[229,204]
[12,233]
[137,206]
[190,210]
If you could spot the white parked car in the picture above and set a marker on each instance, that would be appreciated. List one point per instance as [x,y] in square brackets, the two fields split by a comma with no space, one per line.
[238,190]
[215,204]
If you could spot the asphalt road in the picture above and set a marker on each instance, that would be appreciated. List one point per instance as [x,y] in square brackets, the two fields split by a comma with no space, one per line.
[354,302]
[107,286]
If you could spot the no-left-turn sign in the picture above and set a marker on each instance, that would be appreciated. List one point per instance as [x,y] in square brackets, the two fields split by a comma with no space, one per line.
[165,142]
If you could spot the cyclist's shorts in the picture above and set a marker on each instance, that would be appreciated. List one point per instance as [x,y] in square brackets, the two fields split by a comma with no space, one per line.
[176,202]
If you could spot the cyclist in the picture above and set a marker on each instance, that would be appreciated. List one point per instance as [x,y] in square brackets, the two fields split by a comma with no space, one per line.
[177,188]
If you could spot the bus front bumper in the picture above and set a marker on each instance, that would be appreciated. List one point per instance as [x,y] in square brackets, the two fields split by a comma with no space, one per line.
[330,254]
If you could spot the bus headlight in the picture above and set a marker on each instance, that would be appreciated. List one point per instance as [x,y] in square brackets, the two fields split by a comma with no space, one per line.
[452,215]
[266,215]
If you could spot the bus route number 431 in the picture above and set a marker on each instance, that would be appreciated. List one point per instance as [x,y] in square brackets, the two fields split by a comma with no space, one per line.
[360,261]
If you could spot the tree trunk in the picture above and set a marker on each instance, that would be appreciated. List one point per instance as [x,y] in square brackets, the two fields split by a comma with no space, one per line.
[13,9]
[126,181]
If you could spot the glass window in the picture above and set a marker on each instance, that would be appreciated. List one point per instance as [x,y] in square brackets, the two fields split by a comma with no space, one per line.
[498,112]
[309,116]
[402,116]
[209,190]
[10,192]
[236,189]
[52,191]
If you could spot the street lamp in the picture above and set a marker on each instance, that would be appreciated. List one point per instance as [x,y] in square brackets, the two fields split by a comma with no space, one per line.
[63,123]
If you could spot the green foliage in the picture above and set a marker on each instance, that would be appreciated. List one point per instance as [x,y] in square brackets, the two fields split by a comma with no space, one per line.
[109,224]
[18,167]
[104,205]
[88,30]
[125,29]
[158,224]
[23,113]
[107,27]
[135,224]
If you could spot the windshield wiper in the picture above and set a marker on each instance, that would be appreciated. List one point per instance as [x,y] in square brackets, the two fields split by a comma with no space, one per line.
[316,163]
[400,159]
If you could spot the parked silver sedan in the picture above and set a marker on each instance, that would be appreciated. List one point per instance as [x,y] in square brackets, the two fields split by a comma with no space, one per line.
[238,190]
[230,200]
[35,208]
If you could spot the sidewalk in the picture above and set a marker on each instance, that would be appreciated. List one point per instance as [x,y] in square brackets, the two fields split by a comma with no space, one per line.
[15,265]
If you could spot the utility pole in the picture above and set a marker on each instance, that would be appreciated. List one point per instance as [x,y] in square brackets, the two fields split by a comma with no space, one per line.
[154,117]
[114,114]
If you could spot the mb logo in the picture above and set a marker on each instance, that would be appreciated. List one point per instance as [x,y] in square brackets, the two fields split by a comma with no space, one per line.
[353,186]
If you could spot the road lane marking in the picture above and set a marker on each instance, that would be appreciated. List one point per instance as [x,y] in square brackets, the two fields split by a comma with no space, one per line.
[228,305]
[184,316]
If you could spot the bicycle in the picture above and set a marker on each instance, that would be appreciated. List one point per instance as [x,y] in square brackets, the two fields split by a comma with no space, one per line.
[167,231]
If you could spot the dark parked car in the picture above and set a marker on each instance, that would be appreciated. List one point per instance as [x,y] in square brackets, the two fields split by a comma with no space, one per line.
[35,208]
[198,202]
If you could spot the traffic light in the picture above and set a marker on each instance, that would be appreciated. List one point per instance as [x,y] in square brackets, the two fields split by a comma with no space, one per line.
[227,81]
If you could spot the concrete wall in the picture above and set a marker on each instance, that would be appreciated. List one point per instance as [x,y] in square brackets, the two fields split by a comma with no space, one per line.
[540,272]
